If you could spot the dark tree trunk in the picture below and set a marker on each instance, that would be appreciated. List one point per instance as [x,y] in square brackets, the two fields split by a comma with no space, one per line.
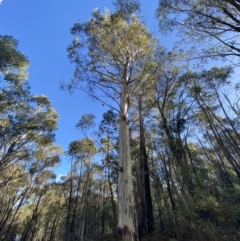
[146,220]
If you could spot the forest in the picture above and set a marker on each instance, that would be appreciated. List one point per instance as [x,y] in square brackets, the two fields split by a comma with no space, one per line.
[163,164]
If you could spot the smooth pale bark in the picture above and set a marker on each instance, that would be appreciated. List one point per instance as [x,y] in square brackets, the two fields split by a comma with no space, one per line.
[126,204]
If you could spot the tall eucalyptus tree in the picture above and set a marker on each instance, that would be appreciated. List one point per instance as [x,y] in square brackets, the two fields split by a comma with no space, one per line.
[113,56]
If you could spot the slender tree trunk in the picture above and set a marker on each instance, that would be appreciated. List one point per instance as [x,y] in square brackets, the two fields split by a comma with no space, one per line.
[126,204]
[83,209]
[112,198]
[146,226]
[55,223]
[218,138]
[30,228]
[176,147]
[110,188]
[67,230]
[103,210]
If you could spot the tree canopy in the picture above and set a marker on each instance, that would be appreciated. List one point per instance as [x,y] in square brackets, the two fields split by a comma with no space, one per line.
[214,22]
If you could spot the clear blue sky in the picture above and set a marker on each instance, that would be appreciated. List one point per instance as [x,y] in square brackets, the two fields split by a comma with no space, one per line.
[42,29]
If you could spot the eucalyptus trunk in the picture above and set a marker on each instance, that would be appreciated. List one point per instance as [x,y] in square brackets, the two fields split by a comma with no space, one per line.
[126,204]
[146,225]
